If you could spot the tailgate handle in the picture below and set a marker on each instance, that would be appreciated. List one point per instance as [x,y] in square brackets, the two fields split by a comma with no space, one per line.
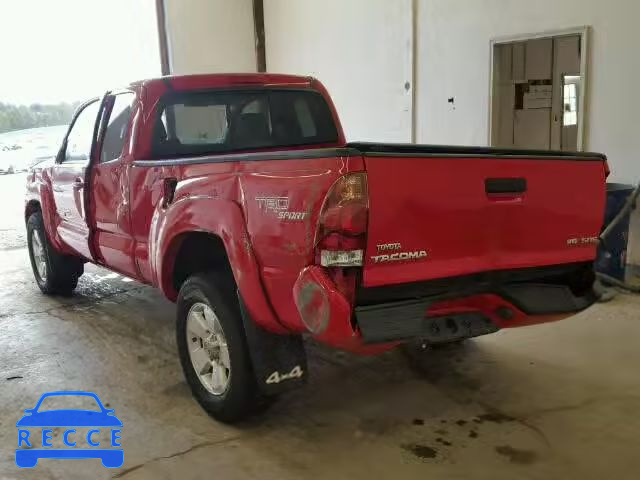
[505,185]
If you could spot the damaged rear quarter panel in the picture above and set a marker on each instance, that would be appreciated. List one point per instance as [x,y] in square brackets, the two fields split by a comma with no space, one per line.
[205,200]
[281,200]
[242,202]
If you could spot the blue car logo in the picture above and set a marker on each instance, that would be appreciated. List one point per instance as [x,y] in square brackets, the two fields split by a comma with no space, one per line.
[81,427]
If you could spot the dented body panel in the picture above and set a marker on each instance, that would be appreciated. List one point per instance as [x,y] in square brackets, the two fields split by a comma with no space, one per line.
[428,217]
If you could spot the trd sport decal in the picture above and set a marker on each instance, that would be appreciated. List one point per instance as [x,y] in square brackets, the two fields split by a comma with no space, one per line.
[280,206]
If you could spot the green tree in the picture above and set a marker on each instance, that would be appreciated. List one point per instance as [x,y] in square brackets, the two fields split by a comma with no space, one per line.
[20,117]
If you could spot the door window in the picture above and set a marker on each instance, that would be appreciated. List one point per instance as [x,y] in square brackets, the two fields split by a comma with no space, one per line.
[80,137]
[117,127]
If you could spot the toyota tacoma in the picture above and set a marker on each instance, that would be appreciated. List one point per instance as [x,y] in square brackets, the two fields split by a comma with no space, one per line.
[238,197]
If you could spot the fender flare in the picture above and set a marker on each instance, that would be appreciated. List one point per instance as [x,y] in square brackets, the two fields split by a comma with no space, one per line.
[225,220]
[43,195]
[48,207]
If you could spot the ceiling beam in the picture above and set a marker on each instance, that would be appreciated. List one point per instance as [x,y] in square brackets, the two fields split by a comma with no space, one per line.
[163,41]
[258,22]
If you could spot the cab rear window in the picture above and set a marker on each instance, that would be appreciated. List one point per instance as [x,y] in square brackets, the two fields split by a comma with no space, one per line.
[196,123]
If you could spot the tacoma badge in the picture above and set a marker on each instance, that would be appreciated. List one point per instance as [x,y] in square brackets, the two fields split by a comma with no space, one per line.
[396,256]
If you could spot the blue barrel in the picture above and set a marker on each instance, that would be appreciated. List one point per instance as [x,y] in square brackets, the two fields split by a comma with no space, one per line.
[612,254]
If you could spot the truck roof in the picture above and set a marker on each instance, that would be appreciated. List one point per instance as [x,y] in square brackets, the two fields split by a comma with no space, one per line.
[217,80]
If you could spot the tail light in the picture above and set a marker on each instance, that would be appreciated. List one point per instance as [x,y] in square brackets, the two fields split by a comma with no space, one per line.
[342,227]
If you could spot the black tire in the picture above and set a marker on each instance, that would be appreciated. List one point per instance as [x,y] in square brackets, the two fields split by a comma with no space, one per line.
[62,271]
[241,397]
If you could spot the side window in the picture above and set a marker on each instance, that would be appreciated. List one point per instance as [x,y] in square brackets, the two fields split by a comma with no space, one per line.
[80,137]
[117,127]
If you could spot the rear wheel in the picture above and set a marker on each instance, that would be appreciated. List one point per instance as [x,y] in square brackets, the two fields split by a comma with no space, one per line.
[55,274]
[213,349]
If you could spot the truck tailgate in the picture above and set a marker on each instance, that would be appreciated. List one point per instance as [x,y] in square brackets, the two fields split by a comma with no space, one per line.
[438,215]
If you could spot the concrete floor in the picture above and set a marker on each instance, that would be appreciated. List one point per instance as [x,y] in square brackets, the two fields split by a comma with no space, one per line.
[557,401]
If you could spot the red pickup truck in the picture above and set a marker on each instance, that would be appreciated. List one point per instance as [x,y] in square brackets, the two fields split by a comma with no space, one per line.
[239,198]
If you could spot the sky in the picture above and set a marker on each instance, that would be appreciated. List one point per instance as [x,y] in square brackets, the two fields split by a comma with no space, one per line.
[68,50]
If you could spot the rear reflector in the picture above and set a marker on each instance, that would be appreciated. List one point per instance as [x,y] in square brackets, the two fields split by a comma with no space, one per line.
[341,258]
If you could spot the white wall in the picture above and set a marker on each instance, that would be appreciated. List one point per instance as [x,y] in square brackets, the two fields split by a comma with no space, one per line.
[360,49]
[210,36]
[453,61]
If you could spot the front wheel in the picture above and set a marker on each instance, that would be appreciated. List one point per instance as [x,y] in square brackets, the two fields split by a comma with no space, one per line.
[55,274]
[213,349]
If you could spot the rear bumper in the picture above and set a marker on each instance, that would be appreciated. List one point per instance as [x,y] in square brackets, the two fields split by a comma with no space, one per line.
[408,320]
[388,315]
[439,321]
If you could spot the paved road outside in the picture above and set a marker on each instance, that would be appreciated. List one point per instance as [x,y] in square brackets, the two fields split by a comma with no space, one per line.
[557,401]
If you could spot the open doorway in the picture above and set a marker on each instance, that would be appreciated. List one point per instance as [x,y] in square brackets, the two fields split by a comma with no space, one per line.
[538,91]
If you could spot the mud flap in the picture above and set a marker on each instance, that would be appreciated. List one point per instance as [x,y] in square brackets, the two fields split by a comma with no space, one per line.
[279,361]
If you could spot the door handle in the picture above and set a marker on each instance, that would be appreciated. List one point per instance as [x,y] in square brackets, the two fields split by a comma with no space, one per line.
[78,183]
